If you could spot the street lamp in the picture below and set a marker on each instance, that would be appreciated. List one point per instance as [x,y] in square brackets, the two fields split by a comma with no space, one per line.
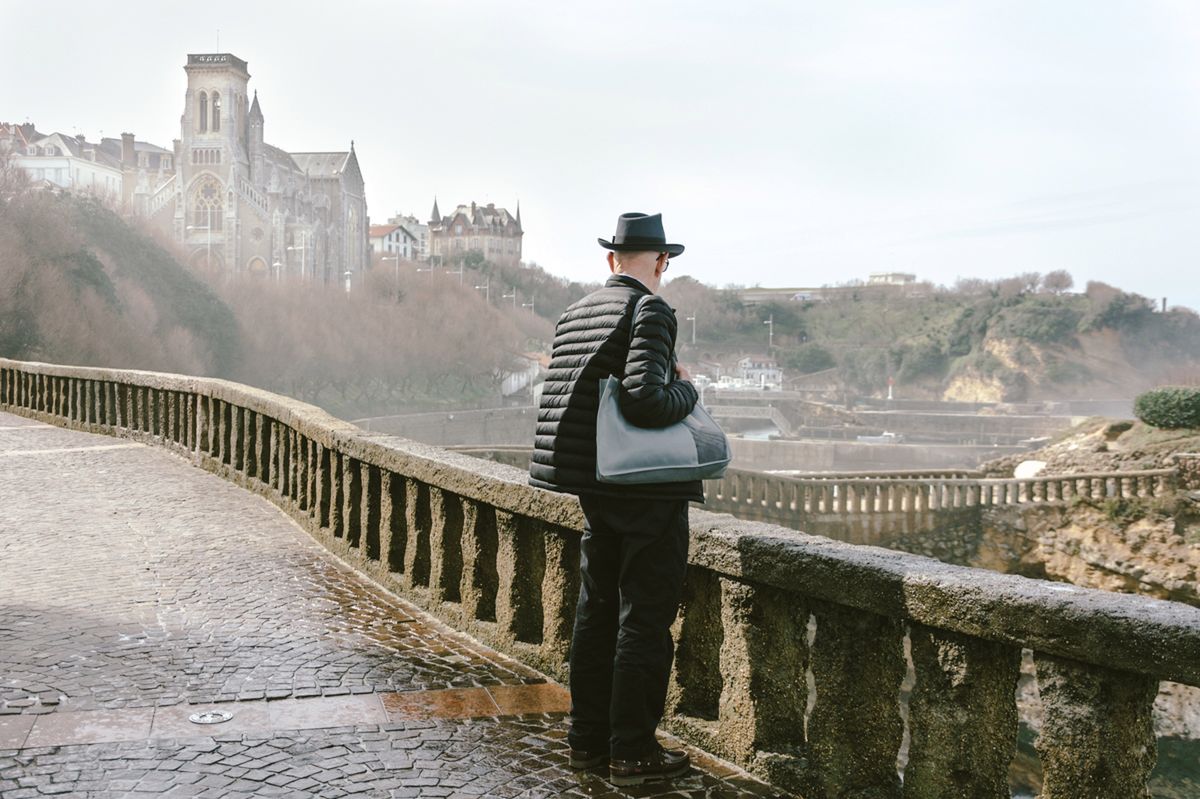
[302,248]
[208,227]
[347,275]
[276,268]
[512,297]
[770,323]
[487,290]
[692,319]
[530,304]
[396,259]
[459,271]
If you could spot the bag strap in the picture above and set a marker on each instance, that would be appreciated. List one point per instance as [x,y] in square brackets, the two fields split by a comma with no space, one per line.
[637,306]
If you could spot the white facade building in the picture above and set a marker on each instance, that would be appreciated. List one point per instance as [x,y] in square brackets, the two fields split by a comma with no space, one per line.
[393,240]
[73,164]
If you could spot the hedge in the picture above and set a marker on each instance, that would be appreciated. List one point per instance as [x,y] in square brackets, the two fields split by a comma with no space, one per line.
[1170,407]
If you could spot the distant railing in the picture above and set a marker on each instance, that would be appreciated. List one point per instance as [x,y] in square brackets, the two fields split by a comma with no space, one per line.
[893,492]
[252,195]
[162,196]
[819,714]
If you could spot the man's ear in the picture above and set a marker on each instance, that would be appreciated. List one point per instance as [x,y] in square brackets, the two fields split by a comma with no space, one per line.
[612,262]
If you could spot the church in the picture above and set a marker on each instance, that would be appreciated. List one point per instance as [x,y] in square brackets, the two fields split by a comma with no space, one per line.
[240,205]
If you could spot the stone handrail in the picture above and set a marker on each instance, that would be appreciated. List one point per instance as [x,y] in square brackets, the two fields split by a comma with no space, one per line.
[474,544]
[902,493]
[253,196]
[162,195]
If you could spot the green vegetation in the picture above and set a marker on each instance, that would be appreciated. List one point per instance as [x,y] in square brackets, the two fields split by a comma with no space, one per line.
[1171,407]
[1015,335]
[79,286]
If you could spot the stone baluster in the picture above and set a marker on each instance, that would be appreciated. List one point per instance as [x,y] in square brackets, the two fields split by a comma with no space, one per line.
[352,500]
[521,566]
[372,505]
[417,521]
[560,589]
[857,661]
[445,544]
[1097,737]
[763,663]
[480,579]
[696,681]
[962,716]
[310,477]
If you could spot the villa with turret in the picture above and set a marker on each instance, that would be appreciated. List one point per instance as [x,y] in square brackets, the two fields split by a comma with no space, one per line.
[493,232]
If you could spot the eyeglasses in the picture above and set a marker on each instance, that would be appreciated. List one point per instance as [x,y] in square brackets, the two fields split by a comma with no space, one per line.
[666,259]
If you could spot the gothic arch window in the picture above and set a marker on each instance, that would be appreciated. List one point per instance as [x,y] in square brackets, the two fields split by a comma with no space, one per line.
[206,204]
[216,100]
[203,112]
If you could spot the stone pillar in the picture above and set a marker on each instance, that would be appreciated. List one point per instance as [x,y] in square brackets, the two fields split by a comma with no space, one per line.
[352,499]
[417,521]
[855,728]
[764,660]
[520,566]
[962,716]
[560,589]
[445,544]
[480,580]
[1097,738]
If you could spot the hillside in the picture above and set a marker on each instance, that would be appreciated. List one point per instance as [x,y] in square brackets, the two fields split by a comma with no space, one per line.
[79,286]
[1009,340]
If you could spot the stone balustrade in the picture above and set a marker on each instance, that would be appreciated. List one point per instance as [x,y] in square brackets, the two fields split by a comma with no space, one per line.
[792,648]
[777,495]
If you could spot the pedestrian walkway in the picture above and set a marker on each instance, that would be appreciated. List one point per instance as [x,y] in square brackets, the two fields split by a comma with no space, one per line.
[137,591]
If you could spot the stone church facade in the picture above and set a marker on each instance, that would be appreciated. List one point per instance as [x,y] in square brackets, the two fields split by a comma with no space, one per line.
[241,205]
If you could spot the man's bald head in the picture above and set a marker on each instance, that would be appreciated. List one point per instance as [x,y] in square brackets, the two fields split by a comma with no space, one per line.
[646,266]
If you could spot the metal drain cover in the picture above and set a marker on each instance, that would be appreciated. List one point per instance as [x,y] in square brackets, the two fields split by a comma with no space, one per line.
[210,717]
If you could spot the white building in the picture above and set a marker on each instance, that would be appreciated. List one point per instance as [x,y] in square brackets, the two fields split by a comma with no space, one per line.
[71,163]
[760,370]
[419,231]
[393,240]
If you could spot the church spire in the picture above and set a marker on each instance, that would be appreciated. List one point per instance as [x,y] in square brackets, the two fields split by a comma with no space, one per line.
[519,215]
[255,110]
[435,217]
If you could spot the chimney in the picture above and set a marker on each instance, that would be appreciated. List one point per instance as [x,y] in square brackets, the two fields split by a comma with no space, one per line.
[128,155]
[79,137]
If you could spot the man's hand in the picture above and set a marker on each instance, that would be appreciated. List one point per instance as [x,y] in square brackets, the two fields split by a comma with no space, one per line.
[681,373]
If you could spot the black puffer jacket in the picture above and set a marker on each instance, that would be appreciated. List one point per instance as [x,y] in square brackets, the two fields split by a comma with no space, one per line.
[591,342]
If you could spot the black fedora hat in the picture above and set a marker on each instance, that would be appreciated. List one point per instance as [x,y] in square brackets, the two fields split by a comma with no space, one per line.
[641,232]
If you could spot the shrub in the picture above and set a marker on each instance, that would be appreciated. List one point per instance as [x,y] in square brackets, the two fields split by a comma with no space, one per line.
[809,358]
[1170,407]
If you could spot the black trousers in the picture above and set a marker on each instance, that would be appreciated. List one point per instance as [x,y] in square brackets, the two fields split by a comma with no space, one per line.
[632,563]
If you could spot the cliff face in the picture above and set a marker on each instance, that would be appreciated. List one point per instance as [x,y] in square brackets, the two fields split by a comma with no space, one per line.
[1124,547]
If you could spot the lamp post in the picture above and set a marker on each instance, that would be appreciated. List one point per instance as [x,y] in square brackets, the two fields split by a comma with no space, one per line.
[302,248]
[770,323]
[459,271]
[208,227]
[487,290]
[512,297]
[276,268]
[692,319]
[347,275]
[530,304]
[396,259]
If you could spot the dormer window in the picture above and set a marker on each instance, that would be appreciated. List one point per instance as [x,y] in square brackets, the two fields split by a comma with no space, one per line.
[216,112]
[203,112]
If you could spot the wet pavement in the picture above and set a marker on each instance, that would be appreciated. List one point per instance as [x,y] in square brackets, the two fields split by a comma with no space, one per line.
[136,590]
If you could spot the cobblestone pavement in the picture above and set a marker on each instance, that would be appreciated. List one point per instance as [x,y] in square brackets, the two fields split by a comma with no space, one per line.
[133,584]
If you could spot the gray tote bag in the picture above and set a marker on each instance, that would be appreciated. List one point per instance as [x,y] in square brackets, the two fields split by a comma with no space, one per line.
[692,449]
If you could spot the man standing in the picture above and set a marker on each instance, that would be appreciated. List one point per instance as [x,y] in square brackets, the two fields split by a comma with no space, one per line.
[635,542]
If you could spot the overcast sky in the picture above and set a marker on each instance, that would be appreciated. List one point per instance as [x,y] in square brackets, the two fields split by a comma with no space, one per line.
[787,144]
